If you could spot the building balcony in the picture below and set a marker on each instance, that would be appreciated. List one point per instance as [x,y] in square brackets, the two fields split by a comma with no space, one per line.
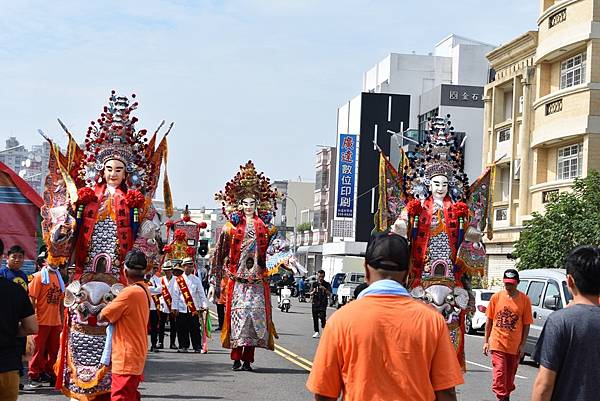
[564,114]
[563,26]
[542,193]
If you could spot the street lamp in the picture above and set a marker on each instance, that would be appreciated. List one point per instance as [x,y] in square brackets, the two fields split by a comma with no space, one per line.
[295,220]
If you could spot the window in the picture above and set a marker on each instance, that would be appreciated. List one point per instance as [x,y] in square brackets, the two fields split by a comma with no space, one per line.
[572,71]
[502,214]
[570,159]
[508,103]
[553,291]
[535,292]
[522,286]
[486,296]
[504,135]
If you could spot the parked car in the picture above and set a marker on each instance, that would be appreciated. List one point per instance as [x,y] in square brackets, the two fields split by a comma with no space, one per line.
[345,292]
[547,290]
[476,320]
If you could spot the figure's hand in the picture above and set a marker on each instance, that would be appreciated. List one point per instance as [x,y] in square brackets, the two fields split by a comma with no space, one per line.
[400,227]
[486,349]
[473,234]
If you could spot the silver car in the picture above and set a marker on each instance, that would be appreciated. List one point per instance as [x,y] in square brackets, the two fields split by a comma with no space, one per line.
[547,290]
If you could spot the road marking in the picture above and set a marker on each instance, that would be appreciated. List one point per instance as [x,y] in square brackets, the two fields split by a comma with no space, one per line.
[287,354]
[290,353]
[281,354]
[487,367]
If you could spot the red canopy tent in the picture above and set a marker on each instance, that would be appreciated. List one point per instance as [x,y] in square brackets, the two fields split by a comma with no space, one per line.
[19,215]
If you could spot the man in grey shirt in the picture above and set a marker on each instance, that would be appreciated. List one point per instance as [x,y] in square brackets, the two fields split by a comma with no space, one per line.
[568,349]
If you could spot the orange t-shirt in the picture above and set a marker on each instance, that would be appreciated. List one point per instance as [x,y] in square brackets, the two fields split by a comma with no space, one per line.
[385,347]
[48,298]
[509,315]
[129,312]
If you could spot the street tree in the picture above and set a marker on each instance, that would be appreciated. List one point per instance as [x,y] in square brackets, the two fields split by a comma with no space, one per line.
[570,219]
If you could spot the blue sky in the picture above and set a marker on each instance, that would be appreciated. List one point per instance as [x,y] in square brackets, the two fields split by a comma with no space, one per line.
[242,79]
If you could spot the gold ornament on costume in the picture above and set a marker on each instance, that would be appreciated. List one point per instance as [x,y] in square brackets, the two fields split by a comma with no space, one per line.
[247,183]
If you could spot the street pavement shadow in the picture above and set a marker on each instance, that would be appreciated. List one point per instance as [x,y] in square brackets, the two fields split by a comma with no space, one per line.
[258,369]
[182,397]
[184,370]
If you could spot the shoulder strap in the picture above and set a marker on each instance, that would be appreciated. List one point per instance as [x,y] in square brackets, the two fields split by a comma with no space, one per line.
[145,292]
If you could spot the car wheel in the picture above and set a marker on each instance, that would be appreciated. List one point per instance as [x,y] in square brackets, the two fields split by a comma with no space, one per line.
[469,325]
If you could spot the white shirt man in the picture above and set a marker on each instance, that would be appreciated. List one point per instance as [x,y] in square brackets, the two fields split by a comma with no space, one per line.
[188,324]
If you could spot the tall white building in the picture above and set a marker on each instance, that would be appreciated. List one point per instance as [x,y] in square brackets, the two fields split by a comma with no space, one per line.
[449,80]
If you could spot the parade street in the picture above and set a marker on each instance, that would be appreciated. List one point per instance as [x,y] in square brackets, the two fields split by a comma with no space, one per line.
[283,373]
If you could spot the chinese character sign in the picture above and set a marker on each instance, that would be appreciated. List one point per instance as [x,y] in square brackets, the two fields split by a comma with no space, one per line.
[346,173]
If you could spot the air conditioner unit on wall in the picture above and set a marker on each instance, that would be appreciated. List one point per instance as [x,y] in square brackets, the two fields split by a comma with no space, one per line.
[517,169]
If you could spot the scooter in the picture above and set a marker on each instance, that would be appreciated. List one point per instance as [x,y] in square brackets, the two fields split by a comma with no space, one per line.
[285,295]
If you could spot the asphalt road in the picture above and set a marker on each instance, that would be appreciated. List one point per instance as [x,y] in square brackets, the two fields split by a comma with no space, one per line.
[279,375]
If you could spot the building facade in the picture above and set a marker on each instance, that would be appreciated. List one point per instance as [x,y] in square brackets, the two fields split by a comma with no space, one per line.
[31,165]
[448,81]
[542,117]
[324,198]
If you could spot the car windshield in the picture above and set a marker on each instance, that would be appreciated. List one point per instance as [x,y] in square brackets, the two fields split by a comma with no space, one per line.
[486,296]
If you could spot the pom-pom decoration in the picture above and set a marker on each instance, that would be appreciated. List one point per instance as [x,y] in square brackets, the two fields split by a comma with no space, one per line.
[86,195]
[460,209]
[134,198]
[180,235]
[169,224]
[414,208]
[191,251]
[202,225]
[167,248]
[186,218]
[234,218]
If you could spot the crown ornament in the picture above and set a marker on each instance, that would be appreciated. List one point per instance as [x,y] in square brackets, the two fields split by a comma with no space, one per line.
[113,137]
[247,183]
[439,155]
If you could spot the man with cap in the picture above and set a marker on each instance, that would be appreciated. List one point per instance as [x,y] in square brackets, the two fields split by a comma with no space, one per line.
[386,338]
[189,300]
[128,314]
[506,329]
[166,303]
[155,287]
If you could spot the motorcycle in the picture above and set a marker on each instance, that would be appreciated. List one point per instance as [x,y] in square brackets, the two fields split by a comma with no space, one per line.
[285,302]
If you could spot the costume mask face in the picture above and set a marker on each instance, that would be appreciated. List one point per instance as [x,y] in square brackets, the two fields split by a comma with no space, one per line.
[439,187]
[114,172]
[249,206]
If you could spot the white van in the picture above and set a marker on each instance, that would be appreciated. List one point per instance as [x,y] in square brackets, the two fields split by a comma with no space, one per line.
[547,290]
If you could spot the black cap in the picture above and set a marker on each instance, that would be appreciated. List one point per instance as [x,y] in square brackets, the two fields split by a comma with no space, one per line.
[388,251]
[511,276]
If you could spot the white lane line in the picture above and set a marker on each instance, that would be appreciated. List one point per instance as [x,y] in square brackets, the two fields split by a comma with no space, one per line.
[488,368]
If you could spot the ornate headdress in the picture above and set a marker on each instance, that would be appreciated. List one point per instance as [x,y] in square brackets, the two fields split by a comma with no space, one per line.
[113,137]
[247,183]
[440,154]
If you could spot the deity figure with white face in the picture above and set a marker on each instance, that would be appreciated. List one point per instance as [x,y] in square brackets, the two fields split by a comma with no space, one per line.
[240,255]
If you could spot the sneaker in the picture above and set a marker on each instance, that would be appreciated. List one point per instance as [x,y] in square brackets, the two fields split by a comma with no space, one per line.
[156,349]
[35,383]
[237,365]
[152,348]
[197,350]
[182,350]
[160,346]
[247,367]
[316,335]
[173,346]
[204,352]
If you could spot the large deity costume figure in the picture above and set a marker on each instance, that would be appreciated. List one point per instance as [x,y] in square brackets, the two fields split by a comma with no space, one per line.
[248,203]
[432,206]
[97,208]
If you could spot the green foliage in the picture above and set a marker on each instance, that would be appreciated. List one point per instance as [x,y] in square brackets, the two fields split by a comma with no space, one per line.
[570,219]
[303,227]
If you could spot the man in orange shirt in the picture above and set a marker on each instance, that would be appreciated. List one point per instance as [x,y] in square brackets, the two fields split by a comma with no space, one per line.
[128,313]
[46,291]
[385,345]
[506,329]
